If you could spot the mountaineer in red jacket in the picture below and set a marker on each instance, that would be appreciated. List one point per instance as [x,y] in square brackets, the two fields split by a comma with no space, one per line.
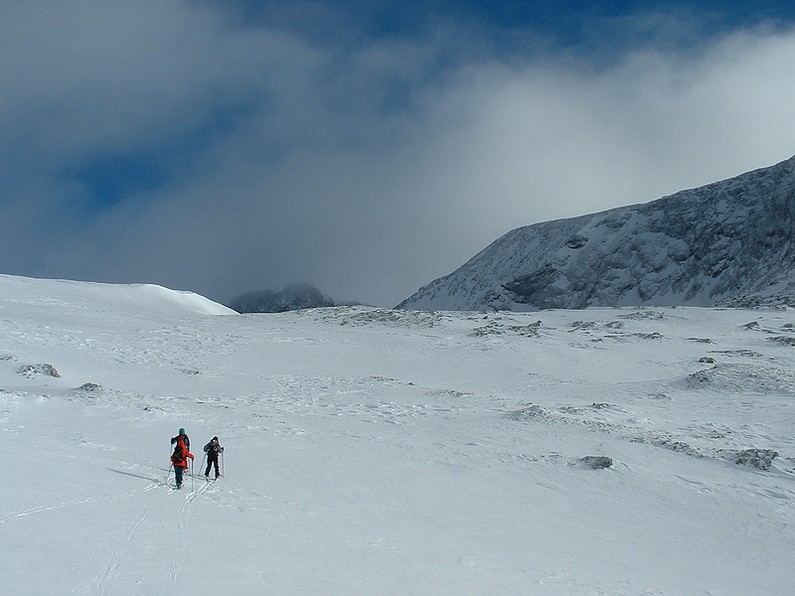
[179,459]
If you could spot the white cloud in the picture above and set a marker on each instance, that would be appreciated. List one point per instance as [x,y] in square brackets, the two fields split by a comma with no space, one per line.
[366,172]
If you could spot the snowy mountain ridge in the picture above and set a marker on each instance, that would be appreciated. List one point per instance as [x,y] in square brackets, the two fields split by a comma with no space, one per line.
[729,243]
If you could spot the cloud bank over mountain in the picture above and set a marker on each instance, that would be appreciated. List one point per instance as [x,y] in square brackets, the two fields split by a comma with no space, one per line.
[216,147]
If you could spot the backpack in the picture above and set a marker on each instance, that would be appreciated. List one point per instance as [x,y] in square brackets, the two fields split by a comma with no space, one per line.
[179,453]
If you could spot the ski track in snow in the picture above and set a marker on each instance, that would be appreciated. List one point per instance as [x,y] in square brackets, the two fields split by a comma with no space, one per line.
[43,509]
[104,579]
[103,583]
[179,562]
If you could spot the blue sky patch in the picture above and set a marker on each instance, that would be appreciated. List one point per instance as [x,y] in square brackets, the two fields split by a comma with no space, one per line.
[111,180]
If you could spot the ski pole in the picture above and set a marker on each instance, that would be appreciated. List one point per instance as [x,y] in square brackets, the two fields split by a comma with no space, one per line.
[191,474]
[170,465]
[202,466]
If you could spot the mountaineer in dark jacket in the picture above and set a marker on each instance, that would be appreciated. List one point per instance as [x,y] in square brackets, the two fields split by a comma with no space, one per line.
[212,449]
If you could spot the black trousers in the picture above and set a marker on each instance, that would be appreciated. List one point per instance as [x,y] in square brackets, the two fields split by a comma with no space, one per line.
[178,470]
[212,460]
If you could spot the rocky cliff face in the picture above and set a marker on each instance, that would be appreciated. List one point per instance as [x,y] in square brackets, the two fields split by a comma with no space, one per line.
[728,243]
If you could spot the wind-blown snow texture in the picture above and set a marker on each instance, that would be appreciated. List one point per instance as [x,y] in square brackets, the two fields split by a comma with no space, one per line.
[371,451]
[728,243]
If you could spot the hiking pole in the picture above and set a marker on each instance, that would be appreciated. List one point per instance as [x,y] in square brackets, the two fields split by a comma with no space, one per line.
[170,465]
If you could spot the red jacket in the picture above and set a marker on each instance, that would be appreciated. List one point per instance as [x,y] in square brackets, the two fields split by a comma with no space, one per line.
[181,463]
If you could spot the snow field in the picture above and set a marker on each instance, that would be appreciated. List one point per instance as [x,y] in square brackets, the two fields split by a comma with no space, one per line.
[386,452]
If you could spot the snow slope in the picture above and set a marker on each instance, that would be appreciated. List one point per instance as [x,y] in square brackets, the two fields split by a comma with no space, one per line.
[371,451]
[727,243]
[138,299]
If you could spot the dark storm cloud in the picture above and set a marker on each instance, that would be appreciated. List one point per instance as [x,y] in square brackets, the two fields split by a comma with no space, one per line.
[223,150]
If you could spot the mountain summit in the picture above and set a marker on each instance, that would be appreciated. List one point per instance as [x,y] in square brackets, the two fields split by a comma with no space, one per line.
[296,296]
[729,243]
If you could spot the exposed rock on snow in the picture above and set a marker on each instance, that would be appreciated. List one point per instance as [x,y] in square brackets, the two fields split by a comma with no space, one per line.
[607,418]
[357,316]
[90,387]
[725,244]
[530,412]
[674,445]
[743,378]
[31,370]
[756,458]
[596,462]
[494,328]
